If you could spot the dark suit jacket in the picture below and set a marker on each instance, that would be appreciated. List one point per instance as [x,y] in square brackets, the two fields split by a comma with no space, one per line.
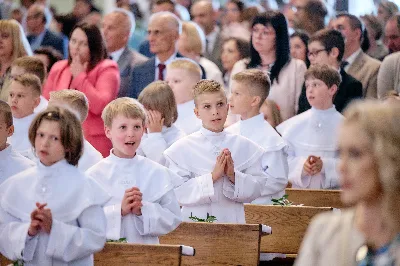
[215,54]
[51,39]
[144,49]
[349,89]
[144,74]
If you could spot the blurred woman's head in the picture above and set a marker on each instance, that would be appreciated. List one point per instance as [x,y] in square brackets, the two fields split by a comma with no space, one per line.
[298,46]
[190,43]
[233,50]
[86,42]
[370,163]
[11,45]
[233,11]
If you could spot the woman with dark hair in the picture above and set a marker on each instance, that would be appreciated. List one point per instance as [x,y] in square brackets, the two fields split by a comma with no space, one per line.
[88,70]
[233,50]
[270,52]
[48,55]
[298,46]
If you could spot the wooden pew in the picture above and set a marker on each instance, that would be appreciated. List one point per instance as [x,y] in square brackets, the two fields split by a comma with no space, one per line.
[4,261]
[288,223]
[217,243]
[315,197]
[119,254]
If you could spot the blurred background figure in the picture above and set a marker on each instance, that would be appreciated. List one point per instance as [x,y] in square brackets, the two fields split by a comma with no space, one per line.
[298,46]
[374,28]
[48,55]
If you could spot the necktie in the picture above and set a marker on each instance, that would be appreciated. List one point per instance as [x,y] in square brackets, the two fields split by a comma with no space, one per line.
[344,64]
[161,68]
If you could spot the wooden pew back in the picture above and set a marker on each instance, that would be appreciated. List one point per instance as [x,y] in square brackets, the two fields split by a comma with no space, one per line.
[288,223]
[120,254]
[217,243]
[315,197]
[4,261]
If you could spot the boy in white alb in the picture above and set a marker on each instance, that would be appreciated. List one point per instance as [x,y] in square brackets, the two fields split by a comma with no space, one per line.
[24,97]
[250,88]
[11,162]
[221,170]
[182,75]
[77,101]
[143,205]
[159,101]
[312,135]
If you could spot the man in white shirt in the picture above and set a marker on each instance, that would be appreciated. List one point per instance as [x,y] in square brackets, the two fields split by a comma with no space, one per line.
[118,27]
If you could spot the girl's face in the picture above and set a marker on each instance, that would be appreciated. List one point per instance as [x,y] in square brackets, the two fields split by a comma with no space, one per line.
[78,46]
[48,146]
[298,49]
[6,45]
[263,38]
[230,55]
[357,167]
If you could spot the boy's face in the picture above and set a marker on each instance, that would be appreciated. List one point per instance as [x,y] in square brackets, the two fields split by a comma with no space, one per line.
[22,100]
[5,132]
[125,134]
[240,101]
[317,54]
[318,94]
[181,82]
[212,110]
[48,145]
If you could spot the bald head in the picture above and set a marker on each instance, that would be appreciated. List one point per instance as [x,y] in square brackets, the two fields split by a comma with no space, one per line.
[117,27]
[169,19]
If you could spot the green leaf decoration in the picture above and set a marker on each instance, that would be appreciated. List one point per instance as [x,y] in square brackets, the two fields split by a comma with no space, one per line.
[121,240]
[282,201]
[209,219]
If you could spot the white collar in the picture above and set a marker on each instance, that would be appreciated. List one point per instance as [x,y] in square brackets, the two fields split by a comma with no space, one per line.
[353,57]
[25,119]
[166,62]
[125,161]
[208,133]
[252,122]
[117,54]
[320,112]
[5,154]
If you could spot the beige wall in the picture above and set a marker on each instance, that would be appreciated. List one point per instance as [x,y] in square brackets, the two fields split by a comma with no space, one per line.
[65,6]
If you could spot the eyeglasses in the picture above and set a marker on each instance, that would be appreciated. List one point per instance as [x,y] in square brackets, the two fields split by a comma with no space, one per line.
[262,32]
[315,53]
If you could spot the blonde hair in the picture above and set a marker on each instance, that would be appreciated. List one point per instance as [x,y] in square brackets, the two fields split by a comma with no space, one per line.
[160,97]
[186,64]
[276,113]
[207,86]
[125,106]
[193,41]
[381,123]
[257,82]
[76,100]
[70,131]
[5,110]
[31,65]
[10,26]
[30,81]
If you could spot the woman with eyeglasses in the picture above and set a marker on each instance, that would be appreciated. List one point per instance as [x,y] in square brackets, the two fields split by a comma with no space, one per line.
[368,233]
[270,52]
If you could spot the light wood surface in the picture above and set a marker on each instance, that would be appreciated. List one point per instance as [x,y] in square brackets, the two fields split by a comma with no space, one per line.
[218,244]
[288,223]
[315,197]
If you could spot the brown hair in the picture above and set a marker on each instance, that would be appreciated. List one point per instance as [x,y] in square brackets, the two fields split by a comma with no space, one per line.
[257,82]
[276,113]
[125,106]
[31,65]
[11,27]
[70,131]
[30,81]
[97,47]
[5,110]
[207,86]
[325,73]
[76,100]
[159,96]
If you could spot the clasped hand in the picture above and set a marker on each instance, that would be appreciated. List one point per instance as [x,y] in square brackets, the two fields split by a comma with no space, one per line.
[132,202]
[41,219]
[224,166]
[313,165]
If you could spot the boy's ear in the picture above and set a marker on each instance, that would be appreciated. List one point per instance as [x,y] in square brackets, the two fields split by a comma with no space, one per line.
[333,89]
[256,101]
[107,130]
[196,112]
[334,52]
[10,131]
[37,101]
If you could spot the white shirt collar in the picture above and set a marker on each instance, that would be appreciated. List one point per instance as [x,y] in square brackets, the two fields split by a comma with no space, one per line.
[351,58]
[5,154]
[211,38]
[166,62]
[117,54]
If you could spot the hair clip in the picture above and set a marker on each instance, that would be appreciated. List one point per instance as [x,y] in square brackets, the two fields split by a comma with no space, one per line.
[53,115]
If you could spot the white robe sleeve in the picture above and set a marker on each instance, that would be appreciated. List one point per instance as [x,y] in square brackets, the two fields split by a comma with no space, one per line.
[68,242]
[277,171]
[113,217]
[330,175]
[15,242]
[194,190]
[296,175]
[154,146]
[159,218]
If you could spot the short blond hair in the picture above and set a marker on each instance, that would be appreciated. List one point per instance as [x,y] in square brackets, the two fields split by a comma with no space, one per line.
[76,100]
[159,96]
[381,123]
[207,86]
[257,82]
[5,111]
[31,65]
[30,81]
[186,64]
[125,106]
[193,41]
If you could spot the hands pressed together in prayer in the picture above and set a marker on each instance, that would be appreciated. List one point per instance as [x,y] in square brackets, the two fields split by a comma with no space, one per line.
[313,165]
[132,202]
[41,219]
[224,166]
[155,121]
